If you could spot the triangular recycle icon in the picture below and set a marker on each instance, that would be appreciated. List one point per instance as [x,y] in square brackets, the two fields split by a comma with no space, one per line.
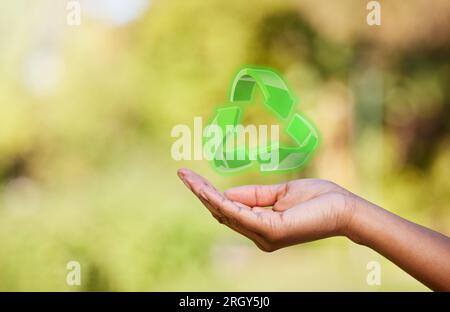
[280,100]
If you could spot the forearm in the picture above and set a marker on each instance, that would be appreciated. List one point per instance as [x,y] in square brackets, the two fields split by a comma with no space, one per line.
[423,253]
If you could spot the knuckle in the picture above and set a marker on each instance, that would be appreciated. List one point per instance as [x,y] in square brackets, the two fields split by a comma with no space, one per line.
[223,200]
[267,248]
[232,221]
[217,217]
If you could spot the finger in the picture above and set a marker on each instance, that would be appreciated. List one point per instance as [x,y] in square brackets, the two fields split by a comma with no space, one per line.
[241,215]
[254,209]
[215,212]
[200,187]
[255,237]
[193,179]
[257,195]
[241,205]
[195,184]
[261,209]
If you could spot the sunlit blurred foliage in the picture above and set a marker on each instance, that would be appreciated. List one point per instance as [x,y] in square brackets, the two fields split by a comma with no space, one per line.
[86,113]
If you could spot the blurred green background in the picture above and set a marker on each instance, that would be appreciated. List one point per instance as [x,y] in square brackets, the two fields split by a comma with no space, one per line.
[86,113]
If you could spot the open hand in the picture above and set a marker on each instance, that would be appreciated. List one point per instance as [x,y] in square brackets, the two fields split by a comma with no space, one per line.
[279,215]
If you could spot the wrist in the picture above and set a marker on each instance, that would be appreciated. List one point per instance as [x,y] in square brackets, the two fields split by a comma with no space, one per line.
[357,210]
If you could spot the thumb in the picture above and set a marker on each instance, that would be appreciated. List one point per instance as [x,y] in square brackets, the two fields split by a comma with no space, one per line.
[257,195]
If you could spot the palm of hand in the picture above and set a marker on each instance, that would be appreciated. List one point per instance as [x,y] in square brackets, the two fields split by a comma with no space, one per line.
[275,216]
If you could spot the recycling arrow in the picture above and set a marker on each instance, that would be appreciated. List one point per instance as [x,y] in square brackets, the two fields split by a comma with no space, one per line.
[280,100]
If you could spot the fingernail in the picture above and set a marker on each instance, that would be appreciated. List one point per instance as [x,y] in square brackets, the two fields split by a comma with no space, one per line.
[180,173]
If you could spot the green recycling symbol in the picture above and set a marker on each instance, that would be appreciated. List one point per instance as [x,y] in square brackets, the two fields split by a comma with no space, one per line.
[280,100]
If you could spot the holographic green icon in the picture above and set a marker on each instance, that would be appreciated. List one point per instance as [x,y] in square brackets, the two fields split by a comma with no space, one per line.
[281,101]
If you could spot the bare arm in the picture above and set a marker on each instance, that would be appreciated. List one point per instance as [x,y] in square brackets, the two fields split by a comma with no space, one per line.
[423,253]
[280,215]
